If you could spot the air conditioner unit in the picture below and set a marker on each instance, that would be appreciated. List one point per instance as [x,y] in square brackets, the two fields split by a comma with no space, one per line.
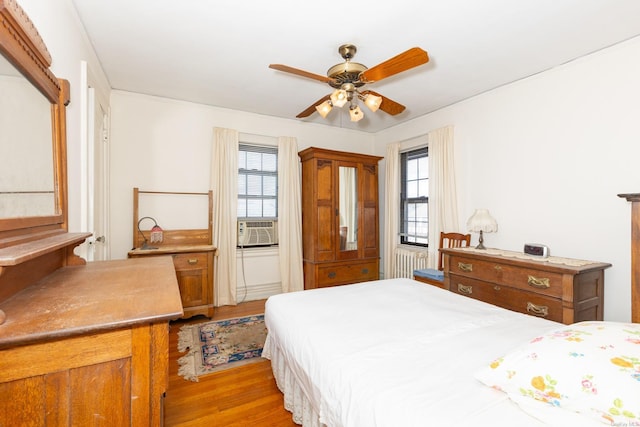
[257,233]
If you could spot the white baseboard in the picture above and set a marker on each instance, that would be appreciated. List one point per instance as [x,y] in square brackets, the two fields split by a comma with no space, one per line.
[257,291]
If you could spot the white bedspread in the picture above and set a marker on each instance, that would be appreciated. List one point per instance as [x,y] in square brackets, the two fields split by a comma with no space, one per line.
[395,353]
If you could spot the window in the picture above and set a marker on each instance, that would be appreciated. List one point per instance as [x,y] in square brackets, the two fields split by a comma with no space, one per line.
[414,197]
[257,182]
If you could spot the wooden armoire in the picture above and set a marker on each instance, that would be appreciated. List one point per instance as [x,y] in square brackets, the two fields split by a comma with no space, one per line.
[340,220]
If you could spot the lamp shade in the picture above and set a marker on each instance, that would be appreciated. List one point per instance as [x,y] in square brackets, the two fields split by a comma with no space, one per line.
[373,102]
[324,108]
[356,114]
[339,97]
[481,220]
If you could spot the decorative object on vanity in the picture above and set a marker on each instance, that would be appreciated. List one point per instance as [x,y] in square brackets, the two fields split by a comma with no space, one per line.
[218,345]
[536,249]
[348,76]
[436,276]
[191,249]
[69,323]
[482,221]
[340,222]
[561,289]
[155,233]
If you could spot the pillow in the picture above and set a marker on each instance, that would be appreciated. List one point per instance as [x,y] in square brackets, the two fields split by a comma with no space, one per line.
[592,368]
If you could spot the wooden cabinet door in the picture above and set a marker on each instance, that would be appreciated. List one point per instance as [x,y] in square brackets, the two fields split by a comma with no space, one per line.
[114,378]
[369,216]
[193,279]
[325,210]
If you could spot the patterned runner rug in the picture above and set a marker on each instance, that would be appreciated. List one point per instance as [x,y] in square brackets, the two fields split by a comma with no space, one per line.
[216,345]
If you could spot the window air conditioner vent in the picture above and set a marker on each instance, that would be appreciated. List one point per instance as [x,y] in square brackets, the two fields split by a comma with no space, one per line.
[257,233]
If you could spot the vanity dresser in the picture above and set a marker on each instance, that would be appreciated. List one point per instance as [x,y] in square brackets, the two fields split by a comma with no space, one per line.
[190,249]
[80,343]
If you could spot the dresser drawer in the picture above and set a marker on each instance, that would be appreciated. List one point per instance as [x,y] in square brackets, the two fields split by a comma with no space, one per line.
[340,274]
[538,281]
[189,261]
[507,297]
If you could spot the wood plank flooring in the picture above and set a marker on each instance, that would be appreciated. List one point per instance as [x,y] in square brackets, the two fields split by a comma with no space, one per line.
[246,396]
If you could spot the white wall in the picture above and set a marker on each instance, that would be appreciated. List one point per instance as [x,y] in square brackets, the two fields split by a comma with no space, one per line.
[548,156]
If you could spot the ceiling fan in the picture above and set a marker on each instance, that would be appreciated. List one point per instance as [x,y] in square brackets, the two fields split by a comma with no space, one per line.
[346,78]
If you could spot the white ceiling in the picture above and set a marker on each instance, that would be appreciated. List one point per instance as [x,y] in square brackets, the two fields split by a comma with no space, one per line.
[217,52]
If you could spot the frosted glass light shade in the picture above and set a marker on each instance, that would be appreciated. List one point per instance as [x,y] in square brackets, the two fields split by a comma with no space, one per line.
[373,102]
[324,108]
[339,97]
[356,114]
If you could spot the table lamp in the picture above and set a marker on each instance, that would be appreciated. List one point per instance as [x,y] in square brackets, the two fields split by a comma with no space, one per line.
[481,221]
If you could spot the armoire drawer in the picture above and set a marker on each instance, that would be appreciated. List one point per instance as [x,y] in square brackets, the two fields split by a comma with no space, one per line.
[531,303]
[543,282]
[340,274]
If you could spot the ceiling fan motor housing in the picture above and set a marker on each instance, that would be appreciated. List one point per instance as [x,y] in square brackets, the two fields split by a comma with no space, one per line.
[347,72]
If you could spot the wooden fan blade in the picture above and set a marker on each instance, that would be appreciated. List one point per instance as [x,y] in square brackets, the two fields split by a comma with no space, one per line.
[388,106]
[399,63]
[312,108]
[298,72]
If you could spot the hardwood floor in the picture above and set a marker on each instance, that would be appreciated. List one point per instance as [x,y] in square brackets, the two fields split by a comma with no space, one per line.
[238,397]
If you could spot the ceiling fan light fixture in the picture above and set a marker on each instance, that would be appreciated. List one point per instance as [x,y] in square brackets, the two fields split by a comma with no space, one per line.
[324,108]
[339,97]
[356,114]
[373,102]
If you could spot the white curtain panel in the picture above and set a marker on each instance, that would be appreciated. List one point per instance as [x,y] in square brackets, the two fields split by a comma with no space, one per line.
[289,215]
[392,209]
[443,205]
[224,184]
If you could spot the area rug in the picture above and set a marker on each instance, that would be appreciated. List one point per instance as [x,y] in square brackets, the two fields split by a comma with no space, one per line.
[217,345]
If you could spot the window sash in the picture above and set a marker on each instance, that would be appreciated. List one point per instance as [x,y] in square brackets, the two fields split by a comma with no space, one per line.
[414,198]
[257,182]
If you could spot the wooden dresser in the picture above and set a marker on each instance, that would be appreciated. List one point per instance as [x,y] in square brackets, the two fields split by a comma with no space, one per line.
[560,289]
[340,227]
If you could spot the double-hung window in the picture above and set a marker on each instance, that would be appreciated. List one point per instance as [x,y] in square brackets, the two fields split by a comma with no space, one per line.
[257,182]
[414,197]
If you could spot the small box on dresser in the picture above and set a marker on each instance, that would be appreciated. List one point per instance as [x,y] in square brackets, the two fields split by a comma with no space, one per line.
[561,289]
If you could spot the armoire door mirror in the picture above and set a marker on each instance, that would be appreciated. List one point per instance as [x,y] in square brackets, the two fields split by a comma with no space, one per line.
[32,130]
[348,207]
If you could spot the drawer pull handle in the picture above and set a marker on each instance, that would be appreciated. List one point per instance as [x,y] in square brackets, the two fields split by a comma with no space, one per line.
[365,271]
[332,275]
[540,283]
[497,288]
[463,289]
[538,310]
[192,261]
[465,267]
[497,267]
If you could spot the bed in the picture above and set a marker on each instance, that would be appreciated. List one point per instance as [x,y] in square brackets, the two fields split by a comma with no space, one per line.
[398,352]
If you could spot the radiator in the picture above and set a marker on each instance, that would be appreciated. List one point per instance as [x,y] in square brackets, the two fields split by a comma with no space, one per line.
[409,259]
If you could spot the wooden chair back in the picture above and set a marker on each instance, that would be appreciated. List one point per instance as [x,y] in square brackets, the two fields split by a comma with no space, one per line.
[452,240]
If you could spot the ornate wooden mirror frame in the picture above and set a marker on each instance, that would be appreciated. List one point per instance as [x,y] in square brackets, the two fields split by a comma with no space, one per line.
[23,47]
